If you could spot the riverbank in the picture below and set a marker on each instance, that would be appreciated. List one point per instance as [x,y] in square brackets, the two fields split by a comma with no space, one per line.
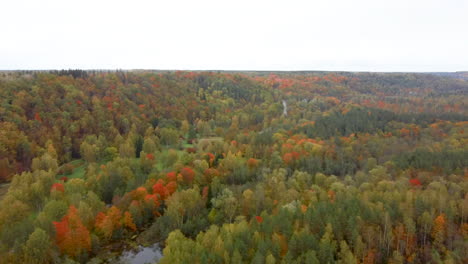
[128,251]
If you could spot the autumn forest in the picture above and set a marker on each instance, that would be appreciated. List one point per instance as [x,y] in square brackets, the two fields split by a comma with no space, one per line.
[234,167]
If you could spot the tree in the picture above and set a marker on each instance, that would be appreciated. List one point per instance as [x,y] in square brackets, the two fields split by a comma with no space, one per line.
[147,162]
[46,162]
[252,163]
[57,187]
[108,223]
[258,258]
[37,249]
[179,249]
[128,221]
[160,189]
[327,246]
[188,174]
[227,203]
[89,152]
[346,256]
[169,136]
[270,259]
[267,183]
[248,201]
[56,209]
[171,176]
[127,150]
[5,169]
[149,146]
[171,187]
[72,237]
[185,127]
[438,231]
[184,205]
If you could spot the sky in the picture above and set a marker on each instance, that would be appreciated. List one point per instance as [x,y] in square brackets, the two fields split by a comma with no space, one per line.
[333,35]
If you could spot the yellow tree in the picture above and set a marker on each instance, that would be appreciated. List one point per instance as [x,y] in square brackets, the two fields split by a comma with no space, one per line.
[438,231]
[128,221]
[108,223]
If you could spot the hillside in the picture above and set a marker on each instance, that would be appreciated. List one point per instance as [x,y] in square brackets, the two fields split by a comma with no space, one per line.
[363,167]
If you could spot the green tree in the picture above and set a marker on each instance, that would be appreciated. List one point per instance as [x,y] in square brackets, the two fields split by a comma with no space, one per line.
[37,249]
[226,203]
[169,136]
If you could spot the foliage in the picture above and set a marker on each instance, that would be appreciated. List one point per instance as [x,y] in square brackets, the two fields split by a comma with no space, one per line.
[72,237]
[362,167]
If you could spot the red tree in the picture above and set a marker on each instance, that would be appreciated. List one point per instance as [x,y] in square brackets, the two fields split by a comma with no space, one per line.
[259,219]
[58,187]
[171,187]
[188,174]
[160,189]
[171,176]
[415,182]
[288,158]
[37,117]
[252,163]
[72,237]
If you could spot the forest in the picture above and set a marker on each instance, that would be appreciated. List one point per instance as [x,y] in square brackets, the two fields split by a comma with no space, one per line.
[234,167]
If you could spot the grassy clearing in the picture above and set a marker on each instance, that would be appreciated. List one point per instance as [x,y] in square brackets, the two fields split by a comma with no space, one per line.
[187,145]
[78,172]
[79,167]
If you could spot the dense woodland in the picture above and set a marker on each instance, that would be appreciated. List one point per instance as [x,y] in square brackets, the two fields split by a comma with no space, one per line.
[357,168]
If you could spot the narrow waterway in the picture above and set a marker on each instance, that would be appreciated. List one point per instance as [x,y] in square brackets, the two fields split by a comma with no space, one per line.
[285,108]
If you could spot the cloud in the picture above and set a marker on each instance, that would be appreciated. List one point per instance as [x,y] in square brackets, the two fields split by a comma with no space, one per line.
[363,35]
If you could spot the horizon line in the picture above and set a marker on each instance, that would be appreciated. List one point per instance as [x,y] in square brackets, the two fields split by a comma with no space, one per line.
[220,70]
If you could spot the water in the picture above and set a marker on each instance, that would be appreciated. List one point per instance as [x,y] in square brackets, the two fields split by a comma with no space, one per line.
[141,255]
[285,108]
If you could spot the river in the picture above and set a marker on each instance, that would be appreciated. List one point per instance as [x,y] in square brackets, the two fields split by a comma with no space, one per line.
[140,255]
[285,108]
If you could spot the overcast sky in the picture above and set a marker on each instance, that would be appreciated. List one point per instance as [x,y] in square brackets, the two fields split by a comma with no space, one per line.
[351,35]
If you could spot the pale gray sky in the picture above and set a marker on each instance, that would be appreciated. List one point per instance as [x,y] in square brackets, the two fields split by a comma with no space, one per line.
[352,35]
